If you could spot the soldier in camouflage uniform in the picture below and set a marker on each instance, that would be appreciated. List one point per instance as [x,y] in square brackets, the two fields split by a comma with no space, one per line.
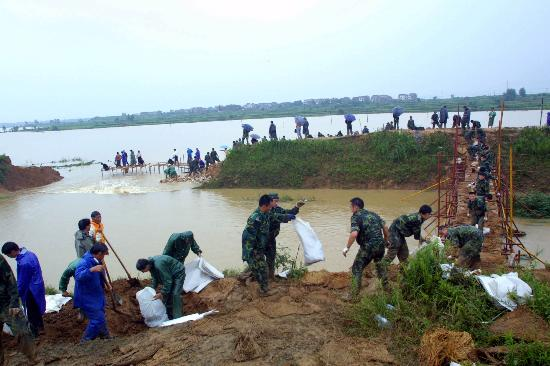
[485,165]
[402,227]
[371,233]
[482,185]
[274,229]
[469,239]
[254,241]
[11,313]
[179,244]
[477,209]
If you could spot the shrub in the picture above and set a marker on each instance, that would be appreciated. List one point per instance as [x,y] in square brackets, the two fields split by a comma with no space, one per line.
[535,204]
[50,290]
[285,262]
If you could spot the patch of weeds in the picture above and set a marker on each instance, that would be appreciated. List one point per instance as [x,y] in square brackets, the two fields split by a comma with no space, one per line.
[50,290]
[540,302]
[231,272]
[527,354]
[284,261]
[422,300]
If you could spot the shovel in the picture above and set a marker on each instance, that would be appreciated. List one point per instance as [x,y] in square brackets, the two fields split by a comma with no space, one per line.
[115,298]
[134,282]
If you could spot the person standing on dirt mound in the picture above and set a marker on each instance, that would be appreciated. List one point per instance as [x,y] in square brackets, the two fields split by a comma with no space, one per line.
[402,227]
[371,233]
[11,314]
[169,273]
[179,244]
[30,285]
[254,241]
[83,241]
[470,241]
[89,294]
[275,228]
[96,228]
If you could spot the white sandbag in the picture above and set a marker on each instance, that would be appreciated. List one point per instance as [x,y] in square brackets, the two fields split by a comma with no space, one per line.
[7,329]
[313,248]
[153,311]
[198,274]
[499,288]
[187,318]
[54,303]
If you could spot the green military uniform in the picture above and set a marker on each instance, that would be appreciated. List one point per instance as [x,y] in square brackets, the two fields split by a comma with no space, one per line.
[473,149]
[254,243]
[170,172]
[482,187]
[492,116]
[179,244]
[170,273]
[477,209]
[401,227]
[470,240]
[9,299]
[83,242]
[274,229]
[489,155]
[67,274]
[368,226]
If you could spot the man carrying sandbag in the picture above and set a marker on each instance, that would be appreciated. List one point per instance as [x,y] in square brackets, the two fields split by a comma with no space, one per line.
[254,241]
[169,273]
[468,239]
[371,233]
[275,228]
[179,244]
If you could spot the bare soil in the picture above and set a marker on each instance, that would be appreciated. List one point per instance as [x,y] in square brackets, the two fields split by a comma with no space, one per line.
[523,324]
[303,324]
[17,178]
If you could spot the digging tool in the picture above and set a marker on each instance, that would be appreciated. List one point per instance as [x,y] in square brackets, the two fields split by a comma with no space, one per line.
[134,282]
[115,298]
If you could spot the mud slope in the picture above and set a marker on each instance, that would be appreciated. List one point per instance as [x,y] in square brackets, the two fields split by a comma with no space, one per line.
[16,178]
[304,324]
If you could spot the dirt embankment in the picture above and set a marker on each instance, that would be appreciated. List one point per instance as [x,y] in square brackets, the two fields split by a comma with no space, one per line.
[303,324]
[14,178]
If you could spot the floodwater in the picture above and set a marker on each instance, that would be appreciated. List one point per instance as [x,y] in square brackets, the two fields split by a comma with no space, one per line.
[140,213]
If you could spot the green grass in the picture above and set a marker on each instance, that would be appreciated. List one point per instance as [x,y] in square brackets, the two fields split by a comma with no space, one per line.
[4,166]
[527,354]
[50,290]
[534,204]
[376,159]
[231,272]
[424,300]
[540,303]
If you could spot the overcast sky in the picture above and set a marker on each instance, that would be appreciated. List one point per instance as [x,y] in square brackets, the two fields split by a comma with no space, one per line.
[84,58]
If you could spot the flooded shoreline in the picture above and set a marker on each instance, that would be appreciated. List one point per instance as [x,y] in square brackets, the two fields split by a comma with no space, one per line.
[140,214]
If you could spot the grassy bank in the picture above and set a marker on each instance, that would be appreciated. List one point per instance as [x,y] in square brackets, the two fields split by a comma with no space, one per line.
[383,159]
[423,301]
[531,148]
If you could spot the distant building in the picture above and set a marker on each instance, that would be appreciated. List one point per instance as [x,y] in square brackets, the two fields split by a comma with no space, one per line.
[382,98]
[409,96]
[361,99]
[309,101]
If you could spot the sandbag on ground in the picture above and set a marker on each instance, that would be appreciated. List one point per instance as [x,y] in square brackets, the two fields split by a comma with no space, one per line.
[198,274]
[313,248]
[153,311]
[499,288]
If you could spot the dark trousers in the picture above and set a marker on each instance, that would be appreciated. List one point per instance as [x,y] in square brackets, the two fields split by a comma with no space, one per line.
[34,315]
[349,130]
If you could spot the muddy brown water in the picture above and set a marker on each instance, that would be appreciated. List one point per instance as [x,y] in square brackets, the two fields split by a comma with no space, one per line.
[140,214]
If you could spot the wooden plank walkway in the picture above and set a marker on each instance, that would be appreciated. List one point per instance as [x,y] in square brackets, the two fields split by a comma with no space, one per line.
[150,168]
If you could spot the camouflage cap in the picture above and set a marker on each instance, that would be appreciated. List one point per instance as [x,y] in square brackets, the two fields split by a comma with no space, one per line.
[274,195]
